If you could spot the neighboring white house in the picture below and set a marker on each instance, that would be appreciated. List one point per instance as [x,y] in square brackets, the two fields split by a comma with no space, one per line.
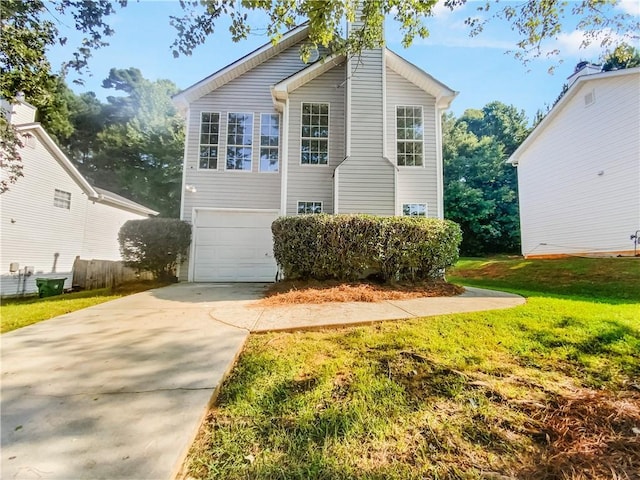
[269,135]
[579,170]
[52,214]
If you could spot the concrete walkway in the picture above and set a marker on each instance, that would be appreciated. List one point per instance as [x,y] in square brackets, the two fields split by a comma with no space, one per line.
[118,391]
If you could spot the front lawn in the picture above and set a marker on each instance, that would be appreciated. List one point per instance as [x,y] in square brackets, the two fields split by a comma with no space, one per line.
[20,312]
[546,390]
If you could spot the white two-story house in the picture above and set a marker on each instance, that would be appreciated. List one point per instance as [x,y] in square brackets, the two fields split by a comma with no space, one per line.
[269,135]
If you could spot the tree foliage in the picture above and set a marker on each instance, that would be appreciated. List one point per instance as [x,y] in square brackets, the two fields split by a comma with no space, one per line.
[624,56]
[155,244]
[29,28]
[133,144]
[534,21]
[480,188]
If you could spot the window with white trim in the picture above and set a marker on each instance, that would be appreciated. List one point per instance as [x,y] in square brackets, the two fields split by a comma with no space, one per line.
[309,208]
[414,209]
[239,141]
[409,136]
[269,141]
[314,134]
[209,137]
[62,199]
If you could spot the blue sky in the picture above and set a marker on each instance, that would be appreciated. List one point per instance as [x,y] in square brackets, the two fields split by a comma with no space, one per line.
[479,67]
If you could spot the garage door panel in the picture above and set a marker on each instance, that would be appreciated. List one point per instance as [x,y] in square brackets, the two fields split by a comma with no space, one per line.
[234,246]
[235,274]
[236,219]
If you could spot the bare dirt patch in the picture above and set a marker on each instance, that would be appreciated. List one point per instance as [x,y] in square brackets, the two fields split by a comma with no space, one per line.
[290,292]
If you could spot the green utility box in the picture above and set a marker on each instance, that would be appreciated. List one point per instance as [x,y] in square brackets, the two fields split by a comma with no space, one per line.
[48,287]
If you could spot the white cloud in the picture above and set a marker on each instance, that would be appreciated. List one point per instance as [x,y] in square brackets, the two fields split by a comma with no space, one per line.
[572,45]
[632,7]
[441,11]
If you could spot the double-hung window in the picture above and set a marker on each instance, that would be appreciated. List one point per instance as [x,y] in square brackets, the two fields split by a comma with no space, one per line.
[269,142]
[239,141]
[414,209]
[62,199]
[315,134]
[409,136]
[308,208]
[209,136]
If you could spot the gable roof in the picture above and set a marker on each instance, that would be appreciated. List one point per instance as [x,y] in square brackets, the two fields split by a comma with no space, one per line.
[93,193]
[240,66]
[421,79]
[281,90]
[557,108]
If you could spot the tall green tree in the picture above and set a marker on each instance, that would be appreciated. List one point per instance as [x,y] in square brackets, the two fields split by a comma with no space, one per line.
[480,192]
[133,144]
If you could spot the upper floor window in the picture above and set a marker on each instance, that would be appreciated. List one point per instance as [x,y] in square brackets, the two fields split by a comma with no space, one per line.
[62,199]
[269,142]
[209,135]
[239,141]
[308,208]
[314,134]
[409,136]
[414,209]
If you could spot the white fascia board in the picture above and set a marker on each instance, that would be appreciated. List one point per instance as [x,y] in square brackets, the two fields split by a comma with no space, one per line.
[237,68]
[60,156]
[281,90]
[421,79]
[107,200]
[553,113]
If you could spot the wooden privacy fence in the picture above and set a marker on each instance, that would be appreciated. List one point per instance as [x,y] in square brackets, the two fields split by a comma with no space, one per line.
[91,274]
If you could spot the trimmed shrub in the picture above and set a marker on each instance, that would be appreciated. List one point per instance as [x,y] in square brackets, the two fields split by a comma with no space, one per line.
[154,244]
[348,247]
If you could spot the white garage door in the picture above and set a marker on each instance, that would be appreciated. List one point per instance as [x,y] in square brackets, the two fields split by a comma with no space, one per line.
[234,246]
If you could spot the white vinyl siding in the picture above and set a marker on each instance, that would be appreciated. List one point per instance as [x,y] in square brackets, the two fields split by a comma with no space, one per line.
[415,185]
[314,134]
[365,181]
[248,93]
[409,136]
[239,141]
[62,199]
[579,180]
[37,233]
[209,139]
[316,182]
[309,208]
[414,209]
[269,142]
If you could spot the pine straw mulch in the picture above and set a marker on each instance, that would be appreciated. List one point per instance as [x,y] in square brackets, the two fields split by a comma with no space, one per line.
[591,435]
[288,292]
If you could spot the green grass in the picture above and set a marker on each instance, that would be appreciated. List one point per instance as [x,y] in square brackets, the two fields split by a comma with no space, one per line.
[20,312]
[455,396]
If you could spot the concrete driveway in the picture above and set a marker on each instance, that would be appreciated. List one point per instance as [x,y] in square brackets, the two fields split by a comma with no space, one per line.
[118,391]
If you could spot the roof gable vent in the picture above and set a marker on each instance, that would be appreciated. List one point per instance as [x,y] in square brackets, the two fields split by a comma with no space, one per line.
[590,98]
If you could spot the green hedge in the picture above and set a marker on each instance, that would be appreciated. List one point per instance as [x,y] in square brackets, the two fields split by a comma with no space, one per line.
[349,247]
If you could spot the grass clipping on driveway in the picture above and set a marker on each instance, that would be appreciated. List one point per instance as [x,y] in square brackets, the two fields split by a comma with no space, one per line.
[290,292]
[546,390]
